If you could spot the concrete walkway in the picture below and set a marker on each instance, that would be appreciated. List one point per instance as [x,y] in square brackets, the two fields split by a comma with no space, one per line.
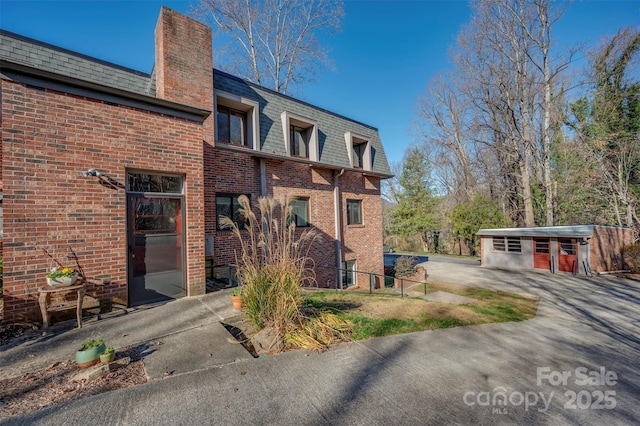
[181,336]
[509,373]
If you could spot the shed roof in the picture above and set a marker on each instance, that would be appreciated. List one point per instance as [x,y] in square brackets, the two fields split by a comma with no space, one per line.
[543,231]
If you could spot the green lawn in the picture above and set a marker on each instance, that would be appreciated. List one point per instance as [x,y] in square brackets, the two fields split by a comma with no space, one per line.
[374,315]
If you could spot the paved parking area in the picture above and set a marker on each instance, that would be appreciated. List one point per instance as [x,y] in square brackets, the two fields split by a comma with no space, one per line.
[575,363]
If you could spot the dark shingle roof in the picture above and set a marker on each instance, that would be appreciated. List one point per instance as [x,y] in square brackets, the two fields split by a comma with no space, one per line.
[33,53]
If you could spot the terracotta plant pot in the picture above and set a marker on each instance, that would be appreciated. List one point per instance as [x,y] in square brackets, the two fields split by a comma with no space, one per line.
[237,302]
[89,357]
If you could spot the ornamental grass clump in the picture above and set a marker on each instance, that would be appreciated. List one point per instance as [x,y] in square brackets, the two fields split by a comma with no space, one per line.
[272,266]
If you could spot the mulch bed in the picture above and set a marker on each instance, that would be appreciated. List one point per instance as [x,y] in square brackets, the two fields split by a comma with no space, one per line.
[53,385]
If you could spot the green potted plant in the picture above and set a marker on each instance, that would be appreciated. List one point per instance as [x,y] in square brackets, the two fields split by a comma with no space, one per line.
[236,298]
[108,355]
[89,353]
[62,277]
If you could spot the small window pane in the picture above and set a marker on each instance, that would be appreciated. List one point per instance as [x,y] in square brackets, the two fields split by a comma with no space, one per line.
[354,212]
[568,247]
[542,246]
[223,124]
[300,212]
[498,244]
[299,141]
[348,273]
[513,244]
[237,129]
[229,206]
[155,183]
[358,153]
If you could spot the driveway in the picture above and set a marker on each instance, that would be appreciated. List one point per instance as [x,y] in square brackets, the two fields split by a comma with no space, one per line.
[575,363]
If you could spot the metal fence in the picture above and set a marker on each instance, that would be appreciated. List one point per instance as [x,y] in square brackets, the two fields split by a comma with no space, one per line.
[368,282]
[223,276]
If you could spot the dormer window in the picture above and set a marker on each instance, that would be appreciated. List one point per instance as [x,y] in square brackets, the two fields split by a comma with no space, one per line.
[232,126]
[300,136]
[359,150]
[237,120]
[299,140]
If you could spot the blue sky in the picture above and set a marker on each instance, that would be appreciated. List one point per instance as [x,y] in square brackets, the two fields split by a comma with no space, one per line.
[384,57]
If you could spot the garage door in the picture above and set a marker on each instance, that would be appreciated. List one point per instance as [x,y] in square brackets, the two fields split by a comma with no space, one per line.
[567,254]
[541,254]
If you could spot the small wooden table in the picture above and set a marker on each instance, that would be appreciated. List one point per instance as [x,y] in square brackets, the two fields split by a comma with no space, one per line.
[44,295]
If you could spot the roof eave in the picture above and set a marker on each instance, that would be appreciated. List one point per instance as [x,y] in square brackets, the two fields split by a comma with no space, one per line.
[84,84]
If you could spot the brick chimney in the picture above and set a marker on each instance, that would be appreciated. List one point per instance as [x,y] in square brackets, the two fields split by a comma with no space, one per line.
[184,68]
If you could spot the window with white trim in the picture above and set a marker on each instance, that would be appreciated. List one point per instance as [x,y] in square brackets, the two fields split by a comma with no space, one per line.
[300,136]
[507,244]
[237,120]
[359,150]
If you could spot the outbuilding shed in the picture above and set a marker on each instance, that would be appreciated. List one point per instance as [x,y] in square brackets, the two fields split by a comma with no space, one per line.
[577,249]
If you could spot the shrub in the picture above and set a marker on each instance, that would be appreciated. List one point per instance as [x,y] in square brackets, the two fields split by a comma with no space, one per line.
[272,267]
[405,266]
[631,257]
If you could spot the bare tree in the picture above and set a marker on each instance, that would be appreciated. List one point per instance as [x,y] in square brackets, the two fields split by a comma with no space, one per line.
[275,41]
[508,79]
[442,123]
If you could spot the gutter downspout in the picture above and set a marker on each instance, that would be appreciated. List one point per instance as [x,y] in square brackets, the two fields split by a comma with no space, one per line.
[338,223]
[263,178]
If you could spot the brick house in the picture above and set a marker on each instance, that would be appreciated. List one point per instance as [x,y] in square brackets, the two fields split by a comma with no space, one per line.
[577,249]
[132,170]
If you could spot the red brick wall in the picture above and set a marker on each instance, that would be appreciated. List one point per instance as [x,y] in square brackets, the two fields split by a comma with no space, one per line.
[239,173]
[606,245]
[48,139]
[363,242]
[233,173]
[287,178]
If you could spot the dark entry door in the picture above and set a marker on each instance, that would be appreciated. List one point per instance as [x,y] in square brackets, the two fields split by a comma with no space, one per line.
[567,254]
[541,255]
[156,248]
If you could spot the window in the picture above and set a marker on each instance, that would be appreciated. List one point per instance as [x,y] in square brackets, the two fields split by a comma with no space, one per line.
[300,212]
[507,244]
[146,182]
[513,244]
[228,205]
[354,212]
[359,150]
[237,121]
[232,126]
[348,273]
[299,140]
[300,136]
[568,247]
[542,246]
[358,153]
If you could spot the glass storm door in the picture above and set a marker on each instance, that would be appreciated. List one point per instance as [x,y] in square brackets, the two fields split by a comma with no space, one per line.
[156,239]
